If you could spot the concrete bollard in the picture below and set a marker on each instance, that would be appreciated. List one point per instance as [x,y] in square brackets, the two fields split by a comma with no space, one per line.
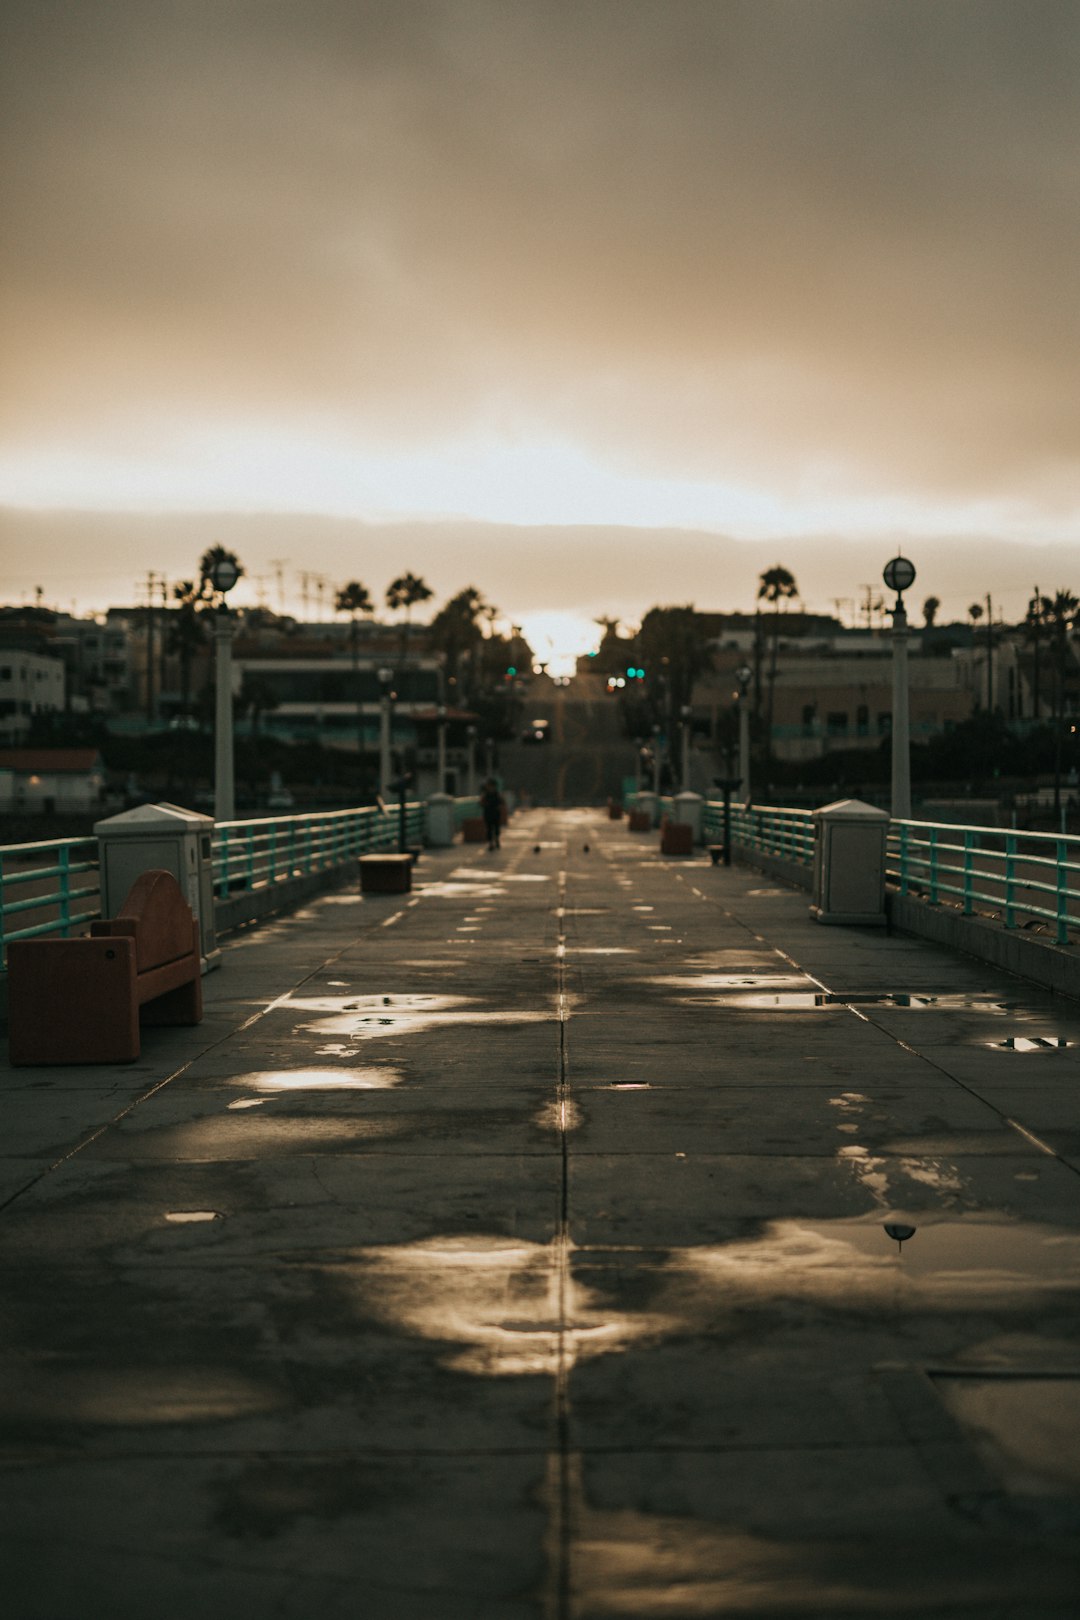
[440,820]
[687,812]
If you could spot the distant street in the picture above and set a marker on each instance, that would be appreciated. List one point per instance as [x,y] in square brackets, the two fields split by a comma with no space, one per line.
[588,755]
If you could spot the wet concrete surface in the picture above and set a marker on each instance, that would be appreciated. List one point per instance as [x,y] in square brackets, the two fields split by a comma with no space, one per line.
[505,1250]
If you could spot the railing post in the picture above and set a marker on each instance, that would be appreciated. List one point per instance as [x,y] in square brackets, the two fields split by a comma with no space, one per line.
[224,879]
[968,845]
[1010,880]
[292,849]
[271,853]
[903,830]
[250,858]
[933,867]
[1062,892]
[64,863]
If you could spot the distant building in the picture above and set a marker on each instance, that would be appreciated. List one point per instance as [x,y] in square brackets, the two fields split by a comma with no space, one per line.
[30,684]
[51,781]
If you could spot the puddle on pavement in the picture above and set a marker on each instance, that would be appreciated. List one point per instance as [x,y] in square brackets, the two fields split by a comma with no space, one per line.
[1034,1043]
[498,1303]
[469,874]
[951,1260]
[274,1081]
[504,1309]
[137,1395]
[627,1085]
[371,1026]
[380,1001]
[1026,1430]
[600,950]
[732,981]
[810,1000]
[191,1217]
[459,891]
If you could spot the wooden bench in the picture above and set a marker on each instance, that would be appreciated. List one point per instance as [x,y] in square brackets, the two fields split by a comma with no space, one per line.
[80,1000]
[385,874]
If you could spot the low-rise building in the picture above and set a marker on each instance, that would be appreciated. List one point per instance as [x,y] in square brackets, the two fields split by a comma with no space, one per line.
[51,781]
[30,684]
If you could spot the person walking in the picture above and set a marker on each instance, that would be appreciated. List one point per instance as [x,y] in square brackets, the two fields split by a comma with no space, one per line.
[491,808]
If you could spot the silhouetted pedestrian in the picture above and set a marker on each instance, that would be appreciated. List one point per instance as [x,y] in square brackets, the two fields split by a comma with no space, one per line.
[491,808]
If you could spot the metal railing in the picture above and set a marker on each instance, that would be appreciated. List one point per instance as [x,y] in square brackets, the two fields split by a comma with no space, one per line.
[1014,876]
[769,829]
[255,854]
[46,889]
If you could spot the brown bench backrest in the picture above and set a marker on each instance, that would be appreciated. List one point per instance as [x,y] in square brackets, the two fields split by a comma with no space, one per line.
[163,920]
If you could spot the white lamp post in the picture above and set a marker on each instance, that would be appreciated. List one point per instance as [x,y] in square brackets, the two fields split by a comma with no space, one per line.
[386,677]
[742,675]
[441,756]
[223,576]
[898,575]
[685,714]
[656,760]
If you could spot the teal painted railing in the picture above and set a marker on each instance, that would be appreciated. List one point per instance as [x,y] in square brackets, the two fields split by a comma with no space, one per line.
[1013,876]
[769,829]
[47,888]
[252,854]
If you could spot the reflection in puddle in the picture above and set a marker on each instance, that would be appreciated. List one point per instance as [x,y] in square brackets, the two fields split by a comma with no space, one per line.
[246,1102]
[459,891]
[284,1080]
[559,1116]
[140,1395]
[602,950]
[1027,1430]
[627,1085]
[371,1028]
[732,981]
[810,1000]
[854,1261]
[381,1001]
[1034,1043]
[186,1217]
[505,1307]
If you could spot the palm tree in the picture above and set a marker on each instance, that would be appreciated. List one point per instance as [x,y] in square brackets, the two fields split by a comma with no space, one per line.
[930,610]
[186,633]
[775,585]
[455,630]
[352,599]
[406,592]
[1063,610]
[1036,621]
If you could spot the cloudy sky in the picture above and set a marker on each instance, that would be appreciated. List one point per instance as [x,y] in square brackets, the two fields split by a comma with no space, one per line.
[428,283]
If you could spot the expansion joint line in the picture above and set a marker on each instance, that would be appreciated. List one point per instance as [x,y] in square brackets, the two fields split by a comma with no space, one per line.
[560,1606]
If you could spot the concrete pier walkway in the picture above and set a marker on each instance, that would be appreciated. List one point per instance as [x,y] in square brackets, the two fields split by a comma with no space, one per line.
[518,1248]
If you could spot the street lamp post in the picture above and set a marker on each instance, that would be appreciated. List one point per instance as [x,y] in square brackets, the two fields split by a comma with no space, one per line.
[223,576]
[386,677]
[656,761]
[440,767]
[899,574]
[743,675]
[470,778]
[685,714]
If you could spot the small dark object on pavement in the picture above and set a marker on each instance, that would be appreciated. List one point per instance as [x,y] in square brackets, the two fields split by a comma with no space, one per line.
[585,847]
[536,849]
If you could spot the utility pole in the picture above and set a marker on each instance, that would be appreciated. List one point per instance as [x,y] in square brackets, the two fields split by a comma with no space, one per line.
[989,654]
[151,581]
[278,565]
